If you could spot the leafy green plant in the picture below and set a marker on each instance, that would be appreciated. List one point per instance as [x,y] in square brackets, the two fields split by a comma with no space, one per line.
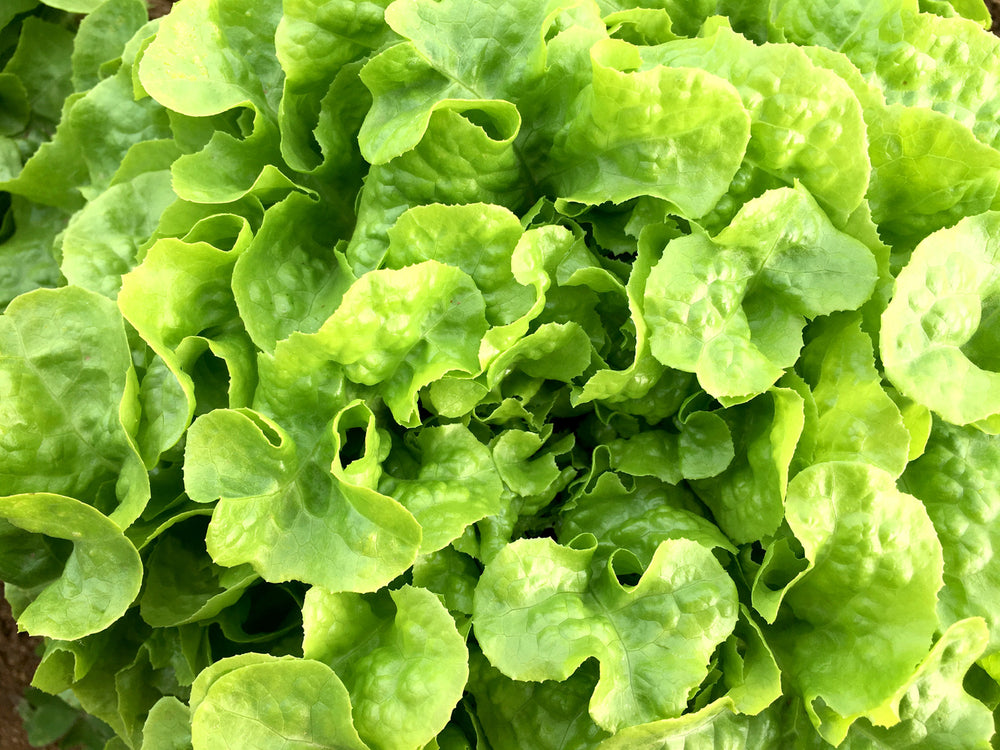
[456,374]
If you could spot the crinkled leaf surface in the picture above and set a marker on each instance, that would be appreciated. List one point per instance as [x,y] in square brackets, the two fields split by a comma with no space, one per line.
[72,399]
[290,278]
[927,173]
[547,715]
[455,57]
[938,336]
[542,609]
[934,708]
[399,655]
[638,517]
[954,479]
[456,162]
[673,133]
[402,342]
[863,535]
[805,125]
[446,479]
[611,336]
[731,308]
[297,505]
[856,419]
[211,55]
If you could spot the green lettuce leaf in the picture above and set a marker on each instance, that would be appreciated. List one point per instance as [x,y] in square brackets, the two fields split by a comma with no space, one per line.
[547,715]
[290,278]
[928,172]
[399,655]
[731,308]
[94,585]
[637,517]
[856,419]
[542,609]
[446,478]
[301,503]
[809,127]
[954,480]
[240,701]
[456,162]
[630,138]
[938,338]
[74,396]
[859,533]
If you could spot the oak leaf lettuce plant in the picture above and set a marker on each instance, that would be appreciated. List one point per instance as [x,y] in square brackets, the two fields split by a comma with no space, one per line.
[466,374]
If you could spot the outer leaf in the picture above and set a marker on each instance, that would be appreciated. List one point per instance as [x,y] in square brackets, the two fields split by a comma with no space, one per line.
[854,29]
[42,63]
[102,240]
[106,123]
[957,481]
[939,341]
[554,351]
[76,6]
[962,85]
[546,715]
[753,681]
[731,308]
[68,399]
[210,56]
[278,503]
[927,173]
[168,726]
[314,42]
[14,8]
[277,704]
[863,535]
[974,10]
[402,660]
[453,576]
[934,709]
[673,133]
[99,580]
[541,610]
[101,37]
[459,55]
[180,291]
[715,727]
[805,122]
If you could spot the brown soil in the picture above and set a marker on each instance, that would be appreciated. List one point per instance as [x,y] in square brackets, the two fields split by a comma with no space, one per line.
[18,660]
[994,6]
[159,8]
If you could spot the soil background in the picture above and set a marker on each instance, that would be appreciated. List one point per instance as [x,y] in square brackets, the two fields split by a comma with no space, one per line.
[18,652]
[18,658]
